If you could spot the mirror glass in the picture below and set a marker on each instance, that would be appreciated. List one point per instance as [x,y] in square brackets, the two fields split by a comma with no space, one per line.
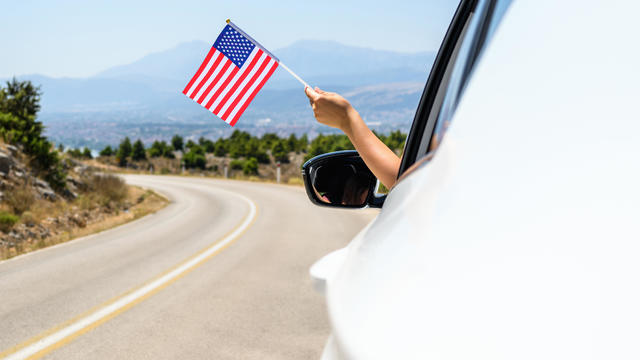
[342,181]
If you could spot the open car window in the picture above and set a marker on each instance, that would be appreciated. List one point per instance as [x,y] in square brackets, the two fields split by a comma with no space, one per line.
[472,27]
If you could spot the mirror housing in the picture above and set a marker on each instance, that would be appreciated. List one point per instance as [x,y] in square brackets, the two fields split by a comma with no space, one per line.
[341,179]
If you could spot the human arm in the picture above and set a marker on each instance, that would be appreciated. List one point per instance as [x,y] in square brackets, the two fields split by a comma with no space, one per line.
[333,110]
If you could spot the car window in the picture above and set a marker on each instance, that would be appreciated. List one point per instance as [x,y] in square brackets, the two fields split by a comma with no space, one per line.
[480,28]
[472,26]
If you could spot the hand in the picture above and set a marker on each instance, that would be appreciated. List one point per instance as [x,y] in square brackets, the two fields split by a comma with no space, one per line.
[330,108]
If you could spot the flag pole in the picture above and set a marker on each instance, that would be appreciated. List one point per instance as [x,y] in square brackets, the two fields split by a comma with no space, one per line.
[295,76]
[279,62]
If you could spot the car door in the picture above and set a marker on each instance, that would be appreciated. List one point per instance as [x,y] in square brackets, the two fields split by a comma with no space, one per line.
[369,294]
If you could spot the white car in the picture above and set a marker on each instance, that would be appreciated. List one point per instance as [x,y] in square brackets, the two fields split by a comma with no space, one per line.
[513,231]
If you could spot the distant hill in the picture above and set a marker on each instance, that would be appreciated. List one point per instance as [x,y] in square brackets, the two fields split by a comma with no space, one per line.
[326,62]
[146,94]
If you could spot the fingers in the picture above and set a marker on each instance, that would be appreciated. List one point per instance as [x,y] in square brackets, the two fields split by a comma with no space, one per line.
[311,94]
[317,89]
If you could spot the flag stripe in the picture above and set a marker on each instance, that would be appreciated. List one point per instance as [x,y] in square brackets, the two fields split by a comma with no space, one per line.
[200,69]
[263,58]
[211,74]
[225,85]
[253,94]
[243,89]
[233,94]
[213,80]
[194,94]
[193,90]
[236,82]
[222,86]
[246,98]
[226,72]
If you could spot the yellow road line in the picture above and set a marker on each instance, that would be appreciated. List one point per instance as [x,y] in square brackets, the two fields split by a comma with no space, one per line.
[65,333]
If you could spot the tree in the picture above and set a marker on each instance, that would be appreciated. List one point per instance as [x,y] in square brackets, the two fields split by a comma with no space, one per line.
[161,148]
[279,152]
[138,153]
[268,139]
[220,148]
[19,105]
[293,144]
[86,153]
[303,143]
[177,142]
[22,99]
[195,158]
[124,151]
[107,151]
[75,153]
[252,148]
[250,166]
[207,144]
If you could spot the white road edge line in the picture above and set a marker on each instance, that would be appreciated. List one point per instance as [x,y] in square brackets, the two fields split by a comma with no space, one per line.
[121,303]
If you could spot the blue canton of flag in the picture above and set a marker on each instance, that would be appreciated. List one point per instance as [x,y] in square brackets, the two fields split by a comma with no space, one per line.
[233,45]
[233,72]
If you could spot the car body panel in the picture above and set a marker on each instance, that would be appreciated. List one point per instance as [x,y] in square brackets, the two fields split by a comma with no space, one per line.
[521,238]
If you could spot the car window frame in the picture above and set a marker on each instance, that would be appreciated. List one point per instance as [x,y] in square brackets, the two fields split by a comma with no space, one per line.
[421,125]
[471,29]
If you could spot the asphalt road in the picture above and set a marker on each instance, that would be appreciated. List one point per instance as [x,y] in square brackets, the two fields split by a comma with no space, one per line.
[220,273]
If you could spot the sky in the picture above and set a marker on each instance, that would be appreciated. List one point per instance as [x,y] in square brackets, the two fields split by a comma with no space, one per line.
[72,38]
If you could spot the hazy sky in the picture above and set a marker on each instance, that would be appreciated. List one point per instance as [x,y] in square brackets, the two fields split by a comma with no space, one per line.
[80,38]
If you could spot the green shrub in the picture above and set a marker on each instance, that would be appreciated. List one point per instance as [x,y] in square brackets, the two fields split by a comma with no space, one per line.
[7,220]
[250,167]
[236,164]
[195,158]
[107,151]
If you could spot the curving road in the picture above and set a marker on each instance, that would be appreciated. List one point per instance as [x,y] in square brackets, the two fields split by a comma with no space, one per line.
[220,273]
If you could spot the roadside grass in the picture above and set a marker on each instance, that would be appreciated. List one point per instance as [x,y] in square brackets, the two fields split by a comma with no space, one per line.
[7,220]
[143,202]
[20,199]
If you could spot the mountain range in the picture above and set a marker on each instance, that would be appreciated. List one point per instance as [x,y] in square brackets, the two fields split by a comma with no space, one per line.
[143,99]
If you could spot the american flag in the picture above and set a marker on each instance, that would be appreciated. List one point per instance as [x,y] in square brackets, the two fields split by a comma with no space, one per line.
[231,75]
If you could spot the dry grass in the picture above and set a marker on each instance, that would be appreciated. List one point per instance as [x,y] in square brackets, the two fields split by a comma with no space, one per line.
[150,202]
[20,199]
[145,202]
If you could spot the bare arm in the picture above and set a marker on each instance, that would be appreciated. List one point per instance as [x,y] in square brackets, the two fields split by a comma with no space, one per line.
[334,110]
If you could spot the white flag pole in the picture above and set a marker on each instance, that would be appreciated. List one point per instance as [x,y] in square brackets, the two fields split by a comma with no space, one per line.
[267,51]
[295,76]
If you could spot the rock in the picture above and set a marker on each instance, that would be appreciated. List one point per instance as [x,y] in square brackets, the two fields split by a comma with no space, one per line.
[75,184]
[47,194]
[12,149]
[78,220]
[44,189]
[69,194]
[6,162]
[42,184]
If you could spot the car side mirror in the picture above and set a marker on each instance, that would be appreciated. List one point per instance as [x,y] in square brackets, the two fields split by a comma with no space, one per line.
[341,179]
